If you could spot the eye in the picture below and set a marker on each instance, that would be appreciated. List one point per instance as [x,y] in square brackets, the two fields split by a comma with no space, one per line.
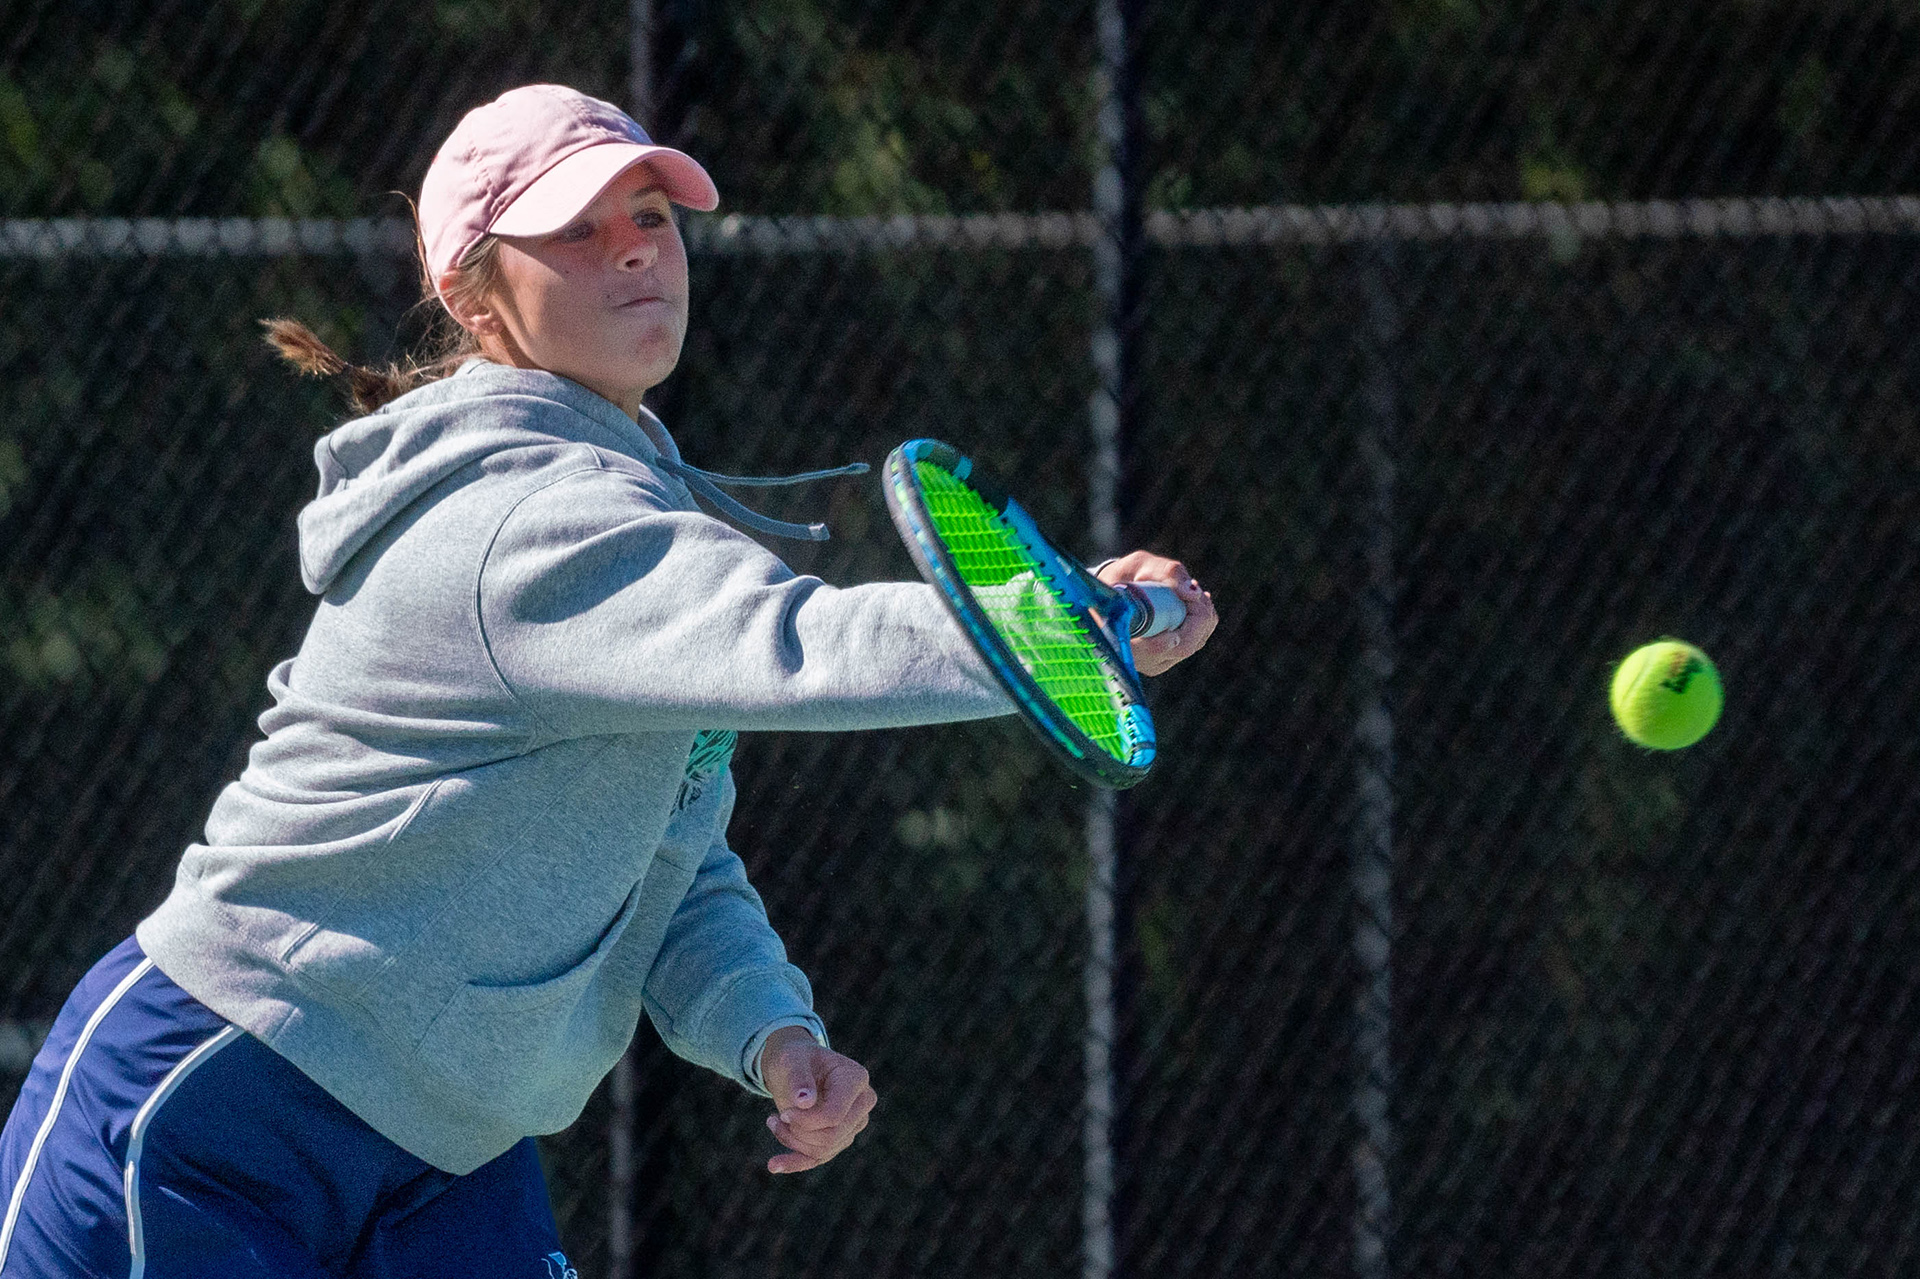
[651,217]
[574,233]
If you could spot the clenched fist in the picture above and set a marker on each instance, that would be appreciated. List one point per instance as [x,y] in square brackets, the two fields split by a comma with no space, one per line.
[821,1098]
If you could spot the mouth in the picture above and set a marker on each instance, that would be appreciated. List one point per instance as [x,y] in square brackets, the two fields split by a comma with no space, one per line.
[634,304]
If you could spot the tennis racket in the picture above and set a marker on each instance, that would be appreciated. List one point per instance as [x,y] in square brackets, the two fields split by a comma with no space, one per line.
[1057,637]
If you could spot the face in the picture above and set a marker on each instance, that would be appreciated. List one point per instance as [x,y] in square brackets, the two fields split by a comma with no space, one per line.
[602,301]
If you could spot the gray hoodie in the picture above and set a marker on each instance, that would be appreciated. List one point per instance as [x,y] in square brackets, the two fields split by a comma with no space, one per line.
[487,824]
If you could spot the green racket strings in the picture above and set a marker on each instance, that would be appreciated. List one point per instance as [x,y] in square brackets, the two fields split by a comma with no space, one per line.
[1044,635]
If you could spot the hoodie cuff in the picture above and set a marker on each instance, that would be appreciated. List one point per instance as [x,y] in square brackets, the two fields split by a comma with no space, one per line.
[750,1055]
[754,1006]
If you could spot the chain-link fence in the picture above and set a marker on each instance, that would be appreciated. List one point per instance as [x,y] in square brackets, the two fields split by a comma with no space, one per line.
[1422,970]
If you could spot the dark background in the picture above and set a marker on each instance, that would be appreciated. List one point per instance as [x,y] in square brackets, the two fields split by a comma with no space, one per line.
[1652,1014]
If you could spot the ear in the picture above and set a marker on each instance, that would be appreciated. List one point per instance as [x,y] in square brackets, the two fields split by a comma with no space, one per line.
[475,315]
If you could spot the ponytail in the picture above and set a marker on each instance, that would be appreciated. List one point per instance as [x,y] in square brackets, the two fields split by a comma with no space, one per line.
[367,389]
[451,346]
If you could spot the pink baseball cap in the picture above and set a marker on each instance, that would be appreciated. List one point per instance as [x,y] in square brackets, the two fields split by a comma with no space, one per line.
[529,161]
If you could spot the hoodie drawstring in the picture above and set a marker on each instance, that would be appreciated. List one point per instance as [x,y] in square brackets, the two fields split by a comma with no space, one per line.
[703,484]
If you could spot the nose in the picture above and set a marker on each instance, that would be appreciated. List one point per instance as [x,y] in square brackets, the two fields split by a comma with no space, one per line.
[638,248]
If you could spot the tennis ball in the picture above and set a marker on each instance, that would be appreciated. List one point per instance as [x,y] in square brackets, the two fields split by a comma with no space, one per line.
[1666,695]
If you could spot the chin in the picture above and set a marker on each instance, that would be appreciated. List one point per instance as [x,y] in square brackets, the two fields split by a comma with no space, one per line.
[654,362]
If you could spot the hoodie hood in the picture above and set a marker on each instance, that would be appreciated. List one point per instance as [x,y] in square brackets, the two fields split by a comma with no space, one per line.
[374,467]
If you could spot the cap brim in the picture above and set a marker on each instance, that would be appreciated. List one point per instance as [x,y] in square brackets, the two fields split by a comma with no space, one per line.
[558,195]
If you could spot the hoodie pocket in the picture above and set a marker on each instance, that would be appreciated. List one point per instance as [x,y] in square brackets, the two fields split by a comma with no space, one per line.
[527,1049]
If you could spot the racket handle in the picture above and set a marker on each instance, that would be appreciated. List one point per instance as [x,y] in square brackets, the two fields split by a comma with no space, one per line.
[1155,608]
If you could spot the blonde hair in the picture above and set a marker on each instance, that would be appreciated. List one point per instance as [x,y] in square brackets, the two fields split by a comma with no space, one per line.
[476,277]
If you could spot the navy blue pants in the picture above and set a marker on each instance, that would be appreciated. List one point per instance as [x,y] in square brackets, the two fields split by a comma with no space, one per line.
[153,1139]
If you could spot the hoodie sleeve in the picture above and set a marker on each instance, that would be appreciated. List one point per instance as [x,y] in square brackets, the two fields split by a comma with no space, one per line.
[721,982]
[607,610]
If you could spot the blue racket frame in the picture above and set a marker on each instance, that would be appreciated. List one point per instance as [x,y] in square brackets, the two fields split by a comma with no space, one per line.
[1107,614]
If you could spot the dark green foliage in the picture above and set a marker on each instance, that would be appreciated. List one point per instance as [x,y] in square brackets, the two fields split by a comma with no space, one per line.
[307,108]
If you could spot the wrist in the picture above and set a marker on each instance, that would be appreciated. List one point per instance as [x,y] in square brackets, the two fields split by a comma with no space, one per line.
[787,1034]
[779,1039]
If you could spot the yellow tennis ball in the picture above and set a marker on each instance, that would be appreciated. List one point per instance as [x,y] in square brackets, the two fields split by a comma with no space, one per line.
[1666,695]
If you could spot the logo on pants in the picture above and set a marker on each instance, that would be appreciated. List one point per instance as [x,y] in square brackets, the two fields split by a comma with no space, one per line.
[557,1267]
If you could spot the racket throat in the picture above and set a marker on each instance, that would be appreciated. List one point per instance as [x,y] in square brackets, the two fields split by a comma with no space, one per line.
[1111,611]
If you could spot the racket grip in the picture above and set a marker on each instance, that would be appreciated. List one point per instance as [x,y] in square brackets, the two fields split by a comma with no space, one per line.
[1155,608]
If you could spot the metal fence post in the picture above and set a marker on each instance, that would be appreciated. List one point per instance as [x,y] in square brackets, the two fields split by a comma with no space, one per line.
[640,89]
[1116,276]
[1096,1217]
[1372,865]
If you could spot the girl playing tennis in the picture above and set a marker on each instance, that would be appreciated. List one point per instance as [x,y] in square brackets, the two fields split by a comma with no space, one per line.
[487,824]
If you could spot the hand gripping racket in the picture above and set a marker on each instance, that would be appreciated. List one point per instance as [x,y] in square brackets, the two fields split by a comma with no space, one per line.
[1057,637]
